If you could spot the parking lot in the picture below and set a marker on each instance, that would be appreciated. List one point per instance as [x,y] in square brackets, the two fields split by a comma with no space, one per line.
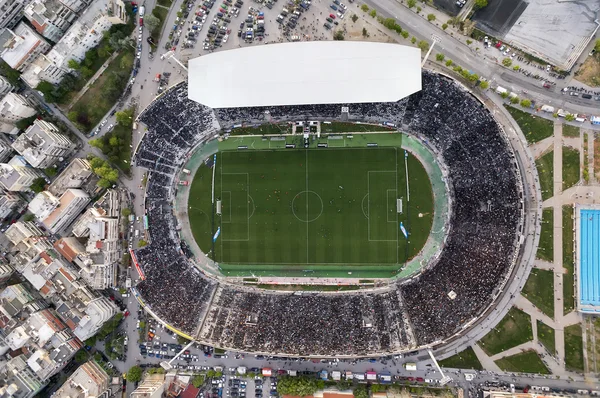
[228,24]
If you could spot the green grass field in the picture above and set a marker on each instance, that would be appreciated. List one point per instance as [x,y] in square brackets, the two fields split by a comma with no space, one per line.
[290,212]
[534,128]
[545,336]
[545,169]
[539,289]
[513,329]
[570,167]
[545,249]
[525,362]
[463,360]
[574,348]
[570,131]
[568,261]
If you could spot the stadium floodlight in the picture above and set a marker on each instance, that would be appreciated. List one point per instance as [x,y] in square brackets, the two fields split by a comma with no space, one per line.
[171,55]
[434,39]
[445,379]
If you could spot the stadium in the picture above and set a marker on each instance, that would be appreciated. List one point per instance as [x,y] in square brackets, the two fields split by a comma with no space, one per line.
[438,247]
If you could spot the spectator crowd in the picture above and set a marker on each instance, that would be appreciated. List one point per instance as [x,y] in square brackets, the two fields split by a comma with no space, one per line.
[477,257]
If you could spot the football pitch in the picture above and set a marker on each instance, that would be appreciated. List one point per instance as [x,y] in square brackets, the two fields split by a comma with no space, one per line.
[295,211]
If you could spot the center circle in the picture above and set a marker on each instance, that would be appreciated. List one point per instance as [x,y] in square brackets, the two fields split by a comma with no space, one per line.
[307,206]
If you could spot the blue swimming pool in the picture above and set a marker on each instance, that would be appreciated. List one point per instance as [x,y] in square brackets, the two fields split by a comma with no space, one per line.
[589,257]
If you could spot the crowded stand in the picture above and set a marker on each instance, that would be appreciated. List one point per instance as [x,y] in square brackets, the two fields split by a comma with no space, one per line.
[486,209]
[354,324]
[392,112]
[476,258]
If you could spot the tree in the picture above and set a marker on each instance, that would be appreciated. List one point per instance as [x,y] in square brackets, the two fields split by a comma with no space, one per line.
[411,3]
[449,62]
[81,356]
[507,62]
[413,40]
[361,391]
[50,171]
[24,123]
[423,45]
[182,340]
[135,374]
[354,17]
[142,243]
[210,373]
[373,13]
[197,381]
[12,75]
[440,57]
[125,117]
[126,212]
[405,34]
[525,103]
[479,4]
[126,61]
[298,386]
[97,143]
[484,85]
[113,141]
[430,17]
[570,117]
[469,42]
[504,95]
[516,67]
[151,22]
[514,99]
[338,35]
[47,89]
[28,217]
[73,64]
[597,46]
[418,9]
[445,26]
[364,8]
[105,50]
[91,56]
[364,32]
[86,72]
[38,185]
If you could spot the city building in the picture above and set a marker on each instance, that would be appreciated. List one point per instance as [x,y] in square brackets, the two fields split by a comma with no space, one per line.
[22,230]
[6,151]
[10,203]
[5,86]
[116,9]
[51,18]
[82,309]
[57,213]
[77,5]
[15,177]
[85,34]
[6,272]
[20,47]
[42,145]
[100,225]
[78,174]
[43,68]
[152,386]
[19,380]
[10,12]
[13,107]
[48,342]
[88,381]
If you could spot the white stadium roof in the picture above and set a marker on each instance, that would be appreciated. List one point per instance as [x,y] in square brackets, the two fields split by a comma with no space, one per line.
[302,73]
